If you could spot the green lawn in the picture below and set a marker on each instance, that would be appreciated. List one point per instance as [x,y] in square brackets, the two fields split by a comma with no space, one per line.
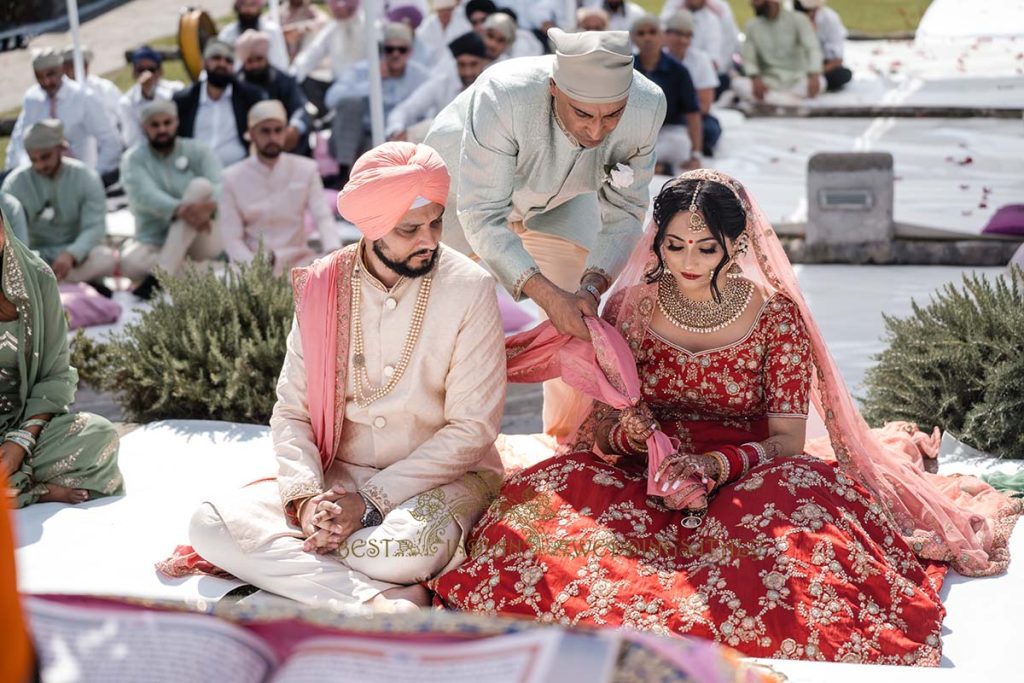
[868,16]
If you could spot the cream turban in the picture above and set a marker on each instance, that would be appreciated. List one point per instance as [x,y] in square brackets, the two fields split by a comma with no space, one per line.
[46,58]
[592,66]
[387,182]
[158,107]
[444,4]
[503,24]
[44,135]
[267,109]
[397,32]
[218,48]
[681,22]
[251,43]
[812,4]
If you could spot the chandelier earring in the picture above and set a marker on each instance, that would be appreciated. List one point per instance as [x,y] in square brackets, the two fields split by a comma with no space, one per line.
[740,248]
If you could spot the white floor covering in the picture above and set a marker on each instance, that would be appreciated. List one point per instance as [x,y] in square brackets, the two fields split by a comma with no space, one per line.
[107,547]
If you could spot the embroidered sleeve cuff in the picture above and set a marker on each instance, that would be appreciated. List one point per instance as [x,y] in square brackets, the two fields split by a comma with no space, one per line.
[517,286]
[376,495]
[294,494]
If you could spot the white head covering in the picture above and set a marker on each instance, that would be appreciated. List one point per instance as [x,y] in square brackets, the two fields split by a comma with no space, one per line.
[681,21]
[592,66]
[397,31]
[503,24]
[812,4]
[267,109]
[158,107]
[69,54]
[46,58]
[44,135]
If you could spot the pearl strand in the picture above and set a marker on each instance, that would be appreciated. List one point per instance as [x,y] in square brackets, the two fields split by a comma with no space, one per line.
[362,378]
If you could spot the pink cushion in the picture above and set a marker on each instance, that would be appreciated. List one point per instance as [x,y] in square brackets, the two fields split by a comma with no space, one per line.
[87,307]
[1008,220]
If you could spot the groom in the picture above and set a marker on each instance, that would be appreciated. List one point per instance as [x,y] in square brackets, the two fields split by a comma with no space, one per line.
[530,147]
[389,403]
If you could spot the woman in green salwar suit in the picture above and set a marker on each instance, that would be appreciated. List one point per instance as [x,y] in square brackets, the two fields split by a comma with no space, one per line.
[74,457]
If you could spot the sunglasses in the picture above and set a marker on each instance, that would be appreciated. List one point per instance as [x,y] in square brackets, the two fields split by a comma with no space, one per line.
[394,49]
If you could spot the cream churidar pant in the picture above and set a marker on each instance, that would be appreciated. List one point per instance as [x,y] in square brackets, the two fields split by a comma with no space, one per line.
[562,262]
[139,260]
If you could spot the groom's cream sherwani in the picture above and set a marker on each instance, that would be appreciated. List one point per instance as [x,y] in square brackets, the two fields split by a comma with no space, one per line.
[424,453]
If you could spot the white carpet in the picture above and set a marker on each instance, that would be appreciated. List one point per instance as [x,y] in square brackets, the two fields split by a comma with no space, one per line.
[108,547]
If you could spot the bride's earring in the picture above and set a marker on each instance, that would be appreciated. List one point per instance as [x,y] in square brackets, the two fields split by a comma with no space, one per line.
[734,270]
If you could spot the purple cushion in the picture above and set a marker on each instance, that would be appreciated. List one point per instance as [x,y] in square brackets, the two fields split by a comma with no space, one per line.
[87,307]
[1008,220]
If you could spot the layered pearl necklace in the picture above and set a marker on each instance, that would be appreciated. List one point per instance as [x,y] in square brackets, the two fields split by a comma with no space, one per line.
[365,393]
[704,317]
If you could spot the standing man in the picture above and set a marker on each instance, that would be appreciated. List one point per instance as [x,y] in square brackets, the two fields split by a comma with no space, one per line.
[781,57]
[530,148]
[65,208]
[57,97]
[150,84]
[264,199]
[172,186]
[680,140]
[215,108]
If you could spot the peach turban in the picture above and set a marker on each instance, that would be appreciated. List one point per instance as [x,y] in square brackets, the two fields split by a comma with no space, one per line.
[252,43]
[387,182]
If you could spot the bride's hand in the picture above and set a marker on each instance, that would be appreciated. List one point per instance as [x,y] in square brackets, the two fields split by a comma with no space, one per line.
[691,495]
[679,467]
[639,422]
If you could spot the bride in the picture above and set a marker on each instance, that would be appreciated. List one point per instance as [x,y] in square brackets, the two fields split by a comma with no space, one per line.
[754,543]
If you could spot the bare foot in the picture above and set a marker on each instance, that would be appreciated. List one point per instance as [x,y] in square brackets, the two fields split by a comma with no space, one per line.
[62,494]
[401,599]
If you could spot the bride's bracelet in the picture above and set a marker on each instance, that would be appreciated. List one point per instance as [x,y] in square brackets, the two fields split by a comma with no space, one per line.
[619,439]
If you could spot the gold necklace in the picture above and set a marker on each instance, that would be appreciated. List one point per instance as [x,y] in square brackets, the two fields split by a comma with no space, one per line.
[704,317]
[365,393]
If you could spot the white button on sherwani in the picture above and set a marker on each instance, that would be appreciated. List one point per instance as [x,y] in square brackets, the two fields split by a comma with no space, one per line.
[424,453]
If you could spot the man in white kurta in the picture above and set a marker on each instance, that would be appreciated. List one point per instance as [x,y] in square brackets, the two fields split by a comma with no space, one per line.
[264,198]
[531,146]
[415,463]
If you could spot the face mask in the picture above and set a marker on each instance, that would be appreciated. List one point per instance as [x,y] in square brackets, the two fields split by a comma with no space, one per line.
[258,75]
[219,80]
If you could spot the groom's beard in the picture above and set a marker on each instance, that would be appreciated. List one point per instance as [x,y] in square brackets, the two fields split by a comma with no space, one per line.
[402,267]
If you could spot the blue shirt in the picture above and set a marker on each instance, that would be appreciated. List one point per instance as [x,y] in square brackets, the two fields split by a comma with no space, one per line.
[674,80]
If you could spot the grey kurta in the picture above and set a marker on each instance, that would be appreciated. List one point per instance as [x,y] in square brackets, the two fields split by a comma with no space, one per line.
[510,161]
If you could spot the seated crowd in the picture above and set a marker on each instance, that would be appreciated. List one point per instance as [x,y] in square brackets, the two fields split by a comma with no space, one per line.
[314,63]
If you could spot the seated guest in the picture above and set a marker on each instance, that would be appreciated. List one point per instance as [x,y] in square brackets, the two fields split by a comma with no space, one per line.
[832,35]
[172,185]
[349,96]
[250,17]
[264,198]
[410,120]
[499,36]
[150,84]
[213,110]
[251,50]
[356,467]
[526,43]
[343,41]
[65,208]
[301,20]
[15,214]
[439,29]
[680,139]
[678,36]
[477,12]
[58,97]
[781,57]
[48,455]
[621,14]
[591,19]
[715,33]
[102,89]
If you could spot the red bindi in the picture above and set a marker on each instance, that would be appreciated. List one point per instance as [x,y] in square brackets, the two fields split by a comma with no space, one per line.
[690,241]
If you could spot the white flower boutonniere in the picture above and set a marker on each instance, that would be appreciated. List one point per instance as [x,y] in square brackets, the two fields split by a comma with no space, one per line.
[621,176]
[47,214]
[181,163]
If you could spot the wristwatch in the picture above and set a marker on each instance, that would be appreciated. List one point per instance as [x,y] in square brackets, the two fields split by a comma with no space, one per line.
[594,291]
[372,516]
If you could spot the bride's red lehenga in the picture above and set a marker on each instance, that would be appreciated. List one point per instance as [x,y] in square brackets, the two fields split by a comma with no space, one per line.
[793,560]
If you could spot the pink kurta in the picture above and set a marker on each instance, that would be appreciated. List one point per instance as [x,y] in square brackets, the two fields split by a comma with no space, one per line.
[268,203]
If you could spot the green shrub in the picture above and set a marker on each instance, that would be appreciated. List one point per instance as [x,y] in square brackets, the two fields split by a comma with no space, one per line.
[958,363]
[212,348]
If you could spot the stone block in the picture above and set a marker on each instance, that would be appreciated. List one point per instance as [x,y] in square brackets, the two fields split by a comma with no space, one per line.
[850,198]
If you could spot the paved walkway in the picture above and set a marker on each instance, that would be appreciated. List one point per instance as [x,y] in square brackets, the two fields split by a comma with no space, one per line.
[109,35]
